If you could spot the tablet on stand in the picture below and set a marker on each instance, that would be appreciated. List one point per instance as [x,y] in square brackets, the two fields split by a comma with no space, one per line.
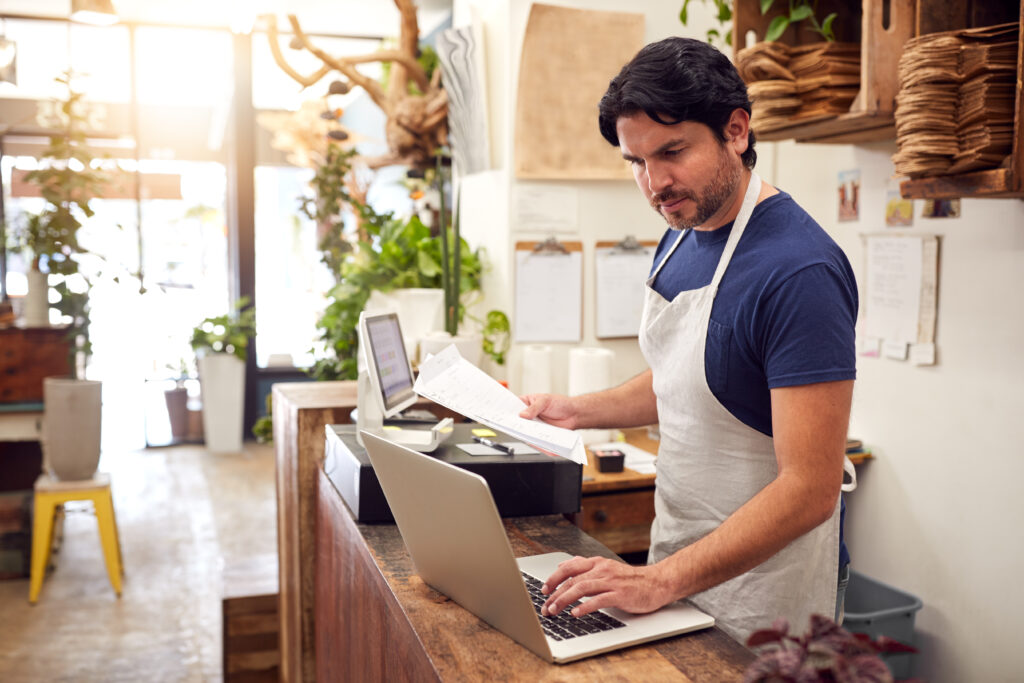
[385,386]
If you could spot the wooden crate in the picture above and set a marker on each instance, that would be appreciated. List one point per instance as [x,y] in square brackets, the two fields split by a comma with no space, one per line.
[251,621]
[1008,180]
[870,118]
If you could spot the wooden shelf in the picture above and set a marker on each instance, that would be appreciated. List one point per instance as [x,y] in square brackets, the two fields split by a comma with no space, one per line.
[870,118]
[1006,181]
[850,128]
[993,184]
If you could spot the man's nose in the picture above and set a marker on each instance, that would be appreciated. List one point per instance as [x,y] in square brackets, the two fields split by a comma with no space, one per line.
[659,177]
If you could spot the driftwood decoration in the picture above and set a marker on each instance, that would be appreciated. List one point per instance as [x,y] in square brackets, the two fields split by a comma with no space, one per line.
[416,123]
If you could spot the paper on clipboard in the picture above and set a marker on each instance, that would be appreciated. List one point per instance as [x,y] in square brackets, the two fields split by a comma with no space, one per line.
[459,385]
[548,296]
[619,277]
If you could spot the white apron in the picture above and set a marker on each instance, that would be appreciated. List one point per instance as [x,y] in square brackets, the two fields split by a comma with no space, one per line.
[710,464]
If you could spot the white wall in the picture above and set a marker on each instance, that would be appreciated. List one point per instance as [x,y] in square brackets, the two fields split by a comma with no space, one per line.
[607,210]
[937,512]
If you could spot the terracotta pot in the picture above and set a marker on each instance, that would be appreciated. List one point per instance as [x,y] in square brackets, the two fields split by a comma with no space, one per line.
[177,412]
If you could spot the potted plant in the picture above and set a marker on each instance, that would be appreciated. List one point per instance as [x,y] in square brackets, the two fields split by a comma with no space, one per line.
[396,254]
[67,180]
[827,652]
[221,344]
[176,397]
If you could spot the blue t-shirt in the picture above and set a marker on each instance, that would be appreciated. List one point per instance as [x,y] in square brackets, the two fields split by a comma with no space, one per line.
[785,310]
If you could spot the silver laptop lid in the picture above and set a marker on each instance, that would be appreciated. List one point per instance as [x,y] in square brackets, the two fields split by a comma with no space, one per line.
[456,539]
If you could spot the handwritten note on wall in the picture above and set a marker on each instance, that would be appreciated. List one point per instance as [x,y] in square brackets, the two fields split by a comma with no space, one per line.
[894,288]
[902,280]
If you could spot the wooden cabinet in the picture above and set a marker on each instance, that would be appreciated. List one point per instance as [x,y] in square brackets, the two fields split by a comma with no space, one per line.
[617,508]
[27,355]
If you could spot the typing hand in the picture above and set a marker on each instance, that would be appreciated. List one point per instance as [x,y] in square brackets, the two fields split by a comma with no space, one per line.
[551,408]
[608,583]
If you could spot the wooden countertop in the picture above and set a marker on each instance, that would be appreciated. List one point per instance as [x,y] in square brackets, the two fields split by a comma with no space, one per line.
[462,647]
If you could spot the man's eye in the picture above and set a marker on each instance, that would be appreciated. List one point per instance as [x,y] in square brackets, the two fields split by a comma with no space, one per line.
[673,152]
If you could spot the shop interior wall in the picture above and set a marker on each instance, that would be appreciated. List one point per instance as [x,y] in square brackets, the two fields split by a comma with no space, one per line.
[937,511]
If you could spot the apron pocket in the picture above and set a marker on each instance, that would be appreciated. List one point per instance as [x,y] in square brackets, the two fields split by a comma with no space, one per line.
[716,357]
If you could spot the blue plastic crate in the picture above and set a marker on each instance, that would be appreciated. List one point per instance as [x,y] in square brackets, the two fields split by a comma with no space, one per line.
[877,609]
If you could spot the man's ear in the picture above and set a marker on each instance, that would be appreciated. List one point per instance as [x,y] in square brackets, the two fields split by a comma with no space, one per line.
[737,131]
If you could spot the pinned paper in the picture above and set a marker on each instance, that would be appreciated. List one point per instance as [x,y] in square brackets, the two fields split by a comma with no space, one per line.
[922,354]
[871,347]
[895,350]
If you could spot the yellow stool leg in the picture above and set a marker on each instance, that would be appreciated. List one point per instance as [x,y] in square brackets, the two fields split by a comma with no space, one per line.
[42,540]
[108,537]
[117,535]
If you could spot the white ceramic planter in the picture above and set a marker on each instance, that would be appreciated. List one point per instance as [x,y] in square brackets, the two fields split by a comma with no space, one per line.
[35,310]
[470,346]
[222,381]
[71,429]
[420,312]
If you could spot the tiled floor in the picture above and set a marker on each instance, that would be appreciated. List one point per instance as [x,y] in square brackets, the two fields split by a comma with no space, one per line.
[183,515]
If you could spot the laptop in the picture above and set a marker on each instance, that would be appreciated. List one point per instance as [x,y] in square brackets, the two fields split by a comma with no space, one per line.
[458,545]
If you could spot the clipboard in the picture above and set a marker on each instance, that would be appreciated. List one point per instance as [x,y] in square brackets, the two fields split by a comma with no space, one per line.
[548,291]
[620,274]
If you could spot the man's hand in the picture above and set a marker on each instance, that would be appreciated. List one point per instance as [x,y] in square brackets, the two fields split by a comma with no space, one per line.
[608,583]
[551,408]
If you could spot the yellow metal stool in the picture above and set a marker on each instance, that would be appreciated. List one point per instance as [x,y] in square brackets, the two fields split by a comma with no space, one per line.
[52,492]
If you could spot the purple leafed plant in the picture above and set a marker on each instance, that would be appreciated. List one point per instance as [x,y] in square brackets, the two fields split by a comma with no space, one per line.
[827,652]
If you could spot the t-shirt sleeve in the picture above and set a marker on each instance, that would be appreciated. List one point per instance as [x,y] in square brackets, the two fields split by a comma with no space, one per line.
[806,327]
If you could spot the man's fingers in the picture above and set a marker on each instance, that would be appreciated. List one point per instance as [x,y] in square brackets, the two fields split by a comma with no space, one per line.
[564,571]
[595,603]
[534,406]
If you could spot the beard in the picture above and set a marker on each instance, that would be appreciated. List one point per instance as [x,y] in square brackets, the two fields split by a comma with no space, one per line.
[712,196]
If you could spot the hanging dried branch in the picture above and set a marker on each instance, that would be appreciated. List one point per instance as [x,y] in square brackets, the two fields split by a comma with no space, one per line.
[416,123]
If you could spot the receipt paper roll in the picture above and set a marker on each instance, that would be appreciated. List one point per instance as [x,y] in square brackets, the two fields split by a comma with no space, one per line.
[590,369]
[536,369]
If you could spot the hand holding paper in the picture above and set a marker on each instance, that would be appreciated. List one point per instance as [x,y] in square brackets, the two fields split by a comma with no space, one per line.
[449,379]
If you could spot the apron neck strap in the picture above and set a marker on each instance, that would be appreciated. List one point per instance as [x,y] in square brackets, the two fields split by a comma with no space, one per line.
[738,226]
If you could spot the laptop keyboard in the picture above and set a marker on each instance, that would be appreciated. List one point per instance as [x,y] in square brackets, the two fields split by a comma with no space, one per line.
[563,625]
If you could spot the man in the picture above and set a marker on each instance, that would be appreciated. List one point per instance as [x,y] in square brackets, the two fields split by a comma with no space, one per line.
[748,329]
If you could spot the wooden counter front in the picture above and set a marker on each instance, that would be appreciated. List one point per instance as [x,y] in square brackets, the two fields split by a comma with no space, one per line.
[377,621]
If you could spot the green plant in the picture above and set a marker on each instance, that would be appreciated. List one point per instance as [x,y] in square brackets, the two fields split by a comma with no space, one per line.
[228,333]
[827,652]
[263,428]
[799,10]
[398,254]
[330,198]
[497,336]
[67,180]
[723,10]
[427,58]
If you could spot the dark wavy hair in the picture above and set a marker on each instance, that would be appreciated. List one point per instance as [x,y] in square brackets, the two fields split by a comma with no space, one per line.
[675,80]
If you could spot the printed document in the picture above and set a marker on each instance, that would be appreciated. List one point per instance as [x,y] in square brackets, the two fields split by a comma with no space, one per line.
[449,379]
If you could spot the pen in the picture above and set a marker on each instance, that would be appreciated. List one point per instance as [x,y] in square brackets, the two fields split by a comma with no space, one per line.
[494,445]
